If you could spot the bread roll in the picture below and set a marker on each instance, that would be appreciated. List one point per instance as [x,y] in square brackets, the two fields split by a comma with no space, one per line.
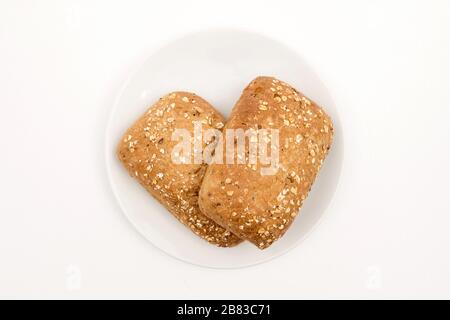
[260,207]
[146,149]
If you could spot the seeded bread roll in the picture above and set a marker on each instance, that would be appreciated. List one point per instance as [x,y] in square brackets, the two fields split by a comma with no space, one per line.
[256,207]
[145,151]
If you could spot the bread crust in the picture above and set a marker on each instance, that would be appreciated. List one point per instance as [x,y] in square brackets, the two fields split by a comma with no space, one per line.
[260,208]
[145,151]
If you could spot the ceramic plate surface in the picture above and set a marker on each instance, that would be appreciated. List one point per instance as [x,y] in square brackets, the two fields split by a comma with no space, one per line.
[216,65]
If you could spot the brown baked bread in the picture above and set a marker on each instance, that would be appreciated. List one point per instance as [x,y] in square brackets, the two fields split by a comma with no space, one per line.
[256,207]
[145,151]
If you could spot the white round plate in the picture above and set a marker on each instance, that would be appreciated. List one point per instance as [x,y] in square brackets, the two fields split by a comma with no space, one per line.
[216,65]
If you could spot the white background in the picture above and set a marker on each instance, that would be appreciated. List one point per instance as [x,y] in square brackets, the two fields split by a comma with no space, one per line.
[387,232]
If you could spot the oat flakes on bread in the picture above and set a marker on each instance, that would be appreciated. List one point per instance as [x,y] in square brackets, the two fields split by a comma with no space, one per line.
[145,151]
[260,208]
